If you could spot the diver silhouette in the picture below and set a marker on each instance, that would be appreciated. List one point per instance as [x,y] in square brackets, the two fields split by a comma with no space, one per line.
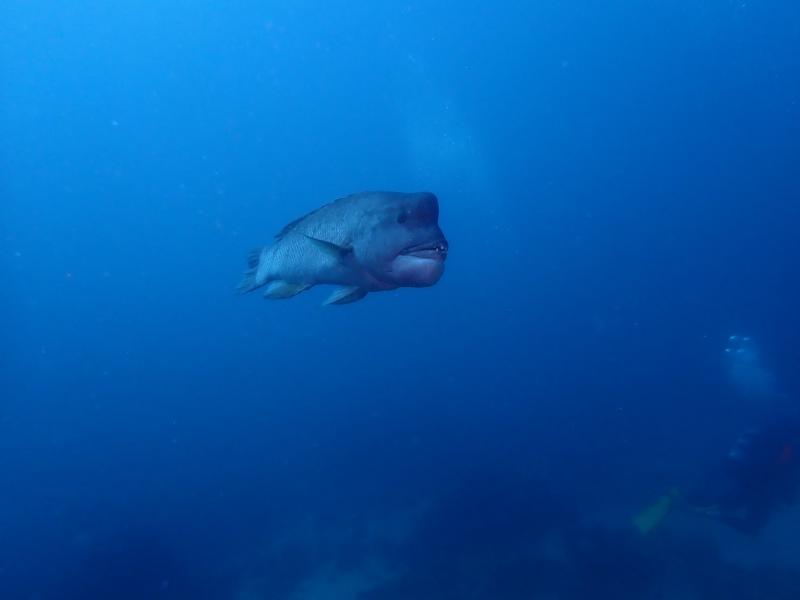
[761,472]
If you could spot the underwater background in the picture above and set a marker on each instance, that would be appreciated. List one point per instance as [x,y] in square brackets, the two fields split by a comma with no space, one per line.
[619,184]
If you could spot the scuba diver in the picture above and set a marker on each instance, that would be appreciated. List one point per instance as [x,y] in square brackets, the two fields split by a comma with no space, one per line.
[746,374]
[759,476]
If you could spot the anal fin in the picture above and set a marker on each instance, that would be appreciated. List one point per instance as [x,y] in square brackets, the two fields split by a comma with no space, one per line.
[280,290]
[345,295]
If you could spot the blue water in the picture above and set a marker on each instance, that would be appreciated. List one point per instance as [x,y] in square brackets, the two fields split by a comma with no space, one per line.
[619,185]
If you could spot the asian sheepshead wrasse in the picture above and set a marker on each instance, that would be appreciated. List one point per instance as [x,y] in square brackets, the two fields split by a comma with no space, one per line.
[366,242]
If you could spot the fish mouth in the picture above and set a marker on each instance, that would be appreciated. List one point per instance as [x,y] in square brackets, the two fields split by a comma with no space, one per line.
[435,250]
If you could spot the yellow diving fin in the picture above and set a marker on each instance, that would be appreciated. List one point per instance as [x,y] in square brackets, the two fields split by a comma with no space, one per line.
[651,517]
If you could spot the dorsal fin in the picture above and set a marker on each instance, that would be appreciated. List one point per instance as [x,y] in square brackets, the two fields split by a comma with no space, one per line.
[289,226]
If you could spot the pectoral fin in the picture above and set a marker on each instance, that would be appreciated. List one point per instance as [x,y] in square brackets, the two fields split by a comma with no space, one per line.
[280,290]
[345,295]
[340,253]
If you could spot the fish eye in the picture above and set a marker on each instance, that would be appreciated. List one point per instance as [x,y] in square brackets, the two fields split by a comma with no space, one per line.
[402,217]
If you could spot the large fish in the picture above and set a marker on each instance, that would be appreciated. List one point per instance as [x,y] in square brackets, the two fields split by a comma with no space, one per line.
[367,242]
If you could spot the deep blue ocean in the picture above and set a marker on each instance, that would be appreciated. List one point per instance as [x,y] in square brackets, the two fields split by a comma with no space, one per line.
[619,183]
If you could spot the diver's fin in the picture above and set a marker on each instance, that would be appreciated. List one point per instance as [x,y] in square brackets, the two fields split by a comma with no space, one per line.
[250,281]
[652,516]
[280,290]
[340,253]
[345,295]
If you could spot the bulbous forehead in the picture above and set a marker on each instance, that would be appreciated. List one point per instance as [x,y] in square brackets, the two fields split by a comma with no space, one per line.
[428,205]
[423,206]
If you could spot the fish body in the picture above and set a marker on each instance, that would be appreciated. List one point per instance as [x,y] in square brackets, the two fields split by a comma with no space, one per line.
[365,242]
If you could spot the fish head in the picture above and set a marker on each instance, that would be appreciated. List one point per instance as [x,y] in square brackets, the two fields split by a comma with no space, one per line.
[406,248]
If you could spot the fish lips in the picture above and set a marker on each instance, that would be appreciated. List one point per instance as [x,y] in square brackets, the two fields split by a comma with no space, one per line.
[431,250]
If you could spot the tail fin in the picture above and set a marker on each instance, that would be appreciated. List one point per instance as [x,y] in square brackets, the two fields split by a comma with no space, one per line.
[250,281]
